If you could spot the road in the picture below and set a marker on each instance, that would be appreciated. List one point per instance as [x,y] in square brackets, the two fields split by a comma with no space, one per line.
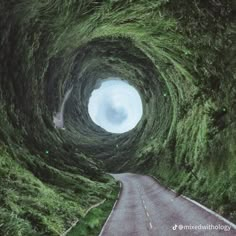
[145,208]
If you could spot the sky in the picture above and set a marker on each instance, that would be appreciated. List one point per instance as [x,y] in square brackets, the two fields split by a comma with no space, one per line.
[115,106]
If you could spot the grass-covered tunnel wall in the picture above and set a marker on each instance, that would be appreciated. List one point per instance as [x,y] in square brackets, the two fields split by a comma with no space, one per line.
[180,57]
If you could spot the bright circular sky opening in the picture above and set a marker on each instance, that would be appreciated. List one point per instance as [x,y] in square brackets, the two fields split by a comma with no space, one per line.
[115,106]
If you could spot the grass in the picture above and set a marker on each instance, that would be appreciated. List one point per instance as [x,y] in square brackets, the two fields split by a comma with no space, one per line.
[93,222]
[30,206]
[182,48]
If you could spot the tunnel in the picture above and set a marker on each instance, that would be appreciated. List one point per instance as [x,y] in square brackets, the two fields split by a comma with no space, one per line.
[54,159]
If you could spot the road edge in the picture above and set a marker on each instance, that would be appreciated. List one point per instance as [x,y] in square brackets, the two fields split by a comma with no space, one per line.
[199,205]
[86,212]
[112,210]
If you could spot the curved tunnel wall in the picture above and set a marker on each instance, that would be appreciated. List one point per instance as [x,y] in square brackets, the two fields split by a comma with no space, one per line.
[180,59]
[127,56]
[103,58]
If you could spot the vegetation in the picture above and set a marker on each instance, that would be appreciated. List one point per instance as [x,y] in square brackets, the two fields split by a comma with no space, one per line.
[32,207]
[179,55]
[93,222]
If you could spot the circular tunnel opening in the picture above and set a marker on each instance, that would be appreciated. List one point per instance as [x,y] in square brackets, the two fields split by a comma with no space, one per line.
[115,105]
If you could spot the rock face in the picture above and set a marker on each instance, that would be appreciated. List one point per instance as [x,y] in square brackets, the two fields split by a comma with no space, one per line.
[179,56]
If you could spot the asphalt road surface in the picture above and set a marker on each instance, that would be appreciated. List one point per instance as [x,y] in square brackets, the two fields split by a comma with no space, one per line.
[146,208]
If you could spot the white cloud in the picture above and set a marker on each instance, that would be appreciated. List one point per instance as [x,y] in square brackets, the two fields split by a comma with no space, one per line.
[115,106]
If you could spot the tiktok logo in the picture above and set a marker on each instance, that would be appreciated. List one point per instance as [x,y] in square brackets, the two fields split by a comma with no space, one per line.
[174,227]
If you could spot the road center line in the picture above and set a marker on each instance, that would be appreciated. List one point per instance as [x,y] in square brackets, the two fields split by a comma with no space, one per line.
[150,224]
[147,214]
